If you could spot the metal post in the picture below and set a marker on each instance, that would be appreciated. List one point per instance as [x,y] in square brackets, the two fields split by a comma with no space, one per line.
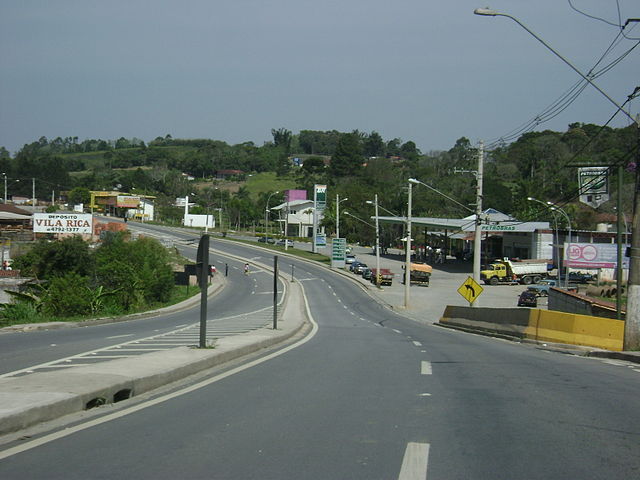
[226,269]
[337,215]
[203,260]
[407,261]
[275,292]
[378,276]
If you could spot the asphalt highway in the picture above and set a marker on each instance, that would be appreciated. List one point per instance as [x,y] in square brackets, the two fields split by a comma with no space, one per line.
[371,395]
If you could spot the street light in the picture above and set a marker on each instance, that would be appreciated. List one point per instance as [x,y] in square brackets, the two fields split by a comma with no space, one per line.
[554,207]
[266,212]
[407,244]
[632,323]
[492,13]
[338,202]
[555,221]
[375,203]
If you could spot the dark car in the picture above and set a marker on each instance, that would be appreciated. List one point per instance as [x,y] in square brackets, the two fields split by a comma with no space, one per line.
[528,299]
[366,274]
[266,240]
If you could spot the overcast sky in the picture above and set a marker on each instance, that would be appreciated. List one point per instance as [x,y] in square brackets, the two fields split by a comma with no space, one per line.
[421,70]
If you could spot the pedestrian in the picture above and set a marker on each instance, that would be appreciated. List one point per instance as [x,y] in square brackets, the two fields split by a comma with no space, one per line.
[246,269]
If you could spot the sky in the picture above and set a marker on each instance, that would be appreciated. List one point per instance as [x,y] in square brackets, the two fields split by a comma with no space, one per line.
[425,71]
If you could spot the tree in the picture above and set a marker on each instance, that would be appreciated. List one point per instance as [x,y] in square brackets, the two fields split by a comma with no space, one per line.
[80,195]
[347,159]
[282,138]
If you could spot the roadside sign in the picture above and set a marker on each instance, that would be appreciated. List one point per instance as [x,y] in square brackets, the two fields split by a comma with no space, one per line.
[470,290]
[338,252]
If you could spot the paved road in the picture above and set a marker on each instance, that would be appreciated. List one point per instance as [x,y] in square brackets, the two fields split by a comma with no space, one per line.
[372,395]
[244,304]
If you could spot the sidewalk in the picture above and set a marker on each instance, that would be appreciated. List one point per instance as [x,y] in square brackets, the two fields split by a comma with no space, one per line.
[39,397]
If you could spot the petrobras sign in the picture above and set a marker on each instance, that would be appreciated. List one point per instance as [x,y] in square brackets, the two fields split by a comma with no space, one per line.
[320,197]
[78,223]
[594,185]
[593,255]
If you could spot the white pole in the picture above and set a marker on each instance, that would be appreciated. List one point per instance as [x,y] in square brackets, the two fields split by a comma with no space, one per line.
[407,261]
[477,240]
[378,276]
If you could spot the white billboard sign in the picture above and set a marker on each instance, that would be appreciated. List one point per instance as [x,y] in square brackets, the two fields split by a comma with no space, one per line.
[63,223]
[593,255]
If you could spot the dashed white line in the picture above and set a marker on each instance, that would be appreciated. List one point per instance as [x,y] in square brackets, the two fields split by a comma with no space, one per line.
[417,344]
[415,462]
[425,368]
[397,331]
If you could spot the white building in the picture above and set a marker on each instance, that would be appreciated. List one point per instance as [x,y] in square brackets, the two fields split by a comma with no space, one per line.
[296,217]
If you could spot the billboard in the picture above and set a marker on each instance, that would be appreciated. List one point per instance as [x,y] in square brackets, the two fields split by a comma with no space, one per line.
[594,185]
[320,197]
[63,223]
[593,255]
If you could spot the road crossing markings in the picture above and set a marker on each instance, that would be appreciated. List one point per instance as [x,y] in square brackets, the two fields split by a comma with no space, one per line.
[112,416]
[415,462]
[425,368]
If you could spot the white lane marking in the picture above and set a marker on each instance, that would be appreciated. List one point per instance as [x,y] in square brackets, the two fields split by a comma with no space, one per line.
[425,368]
[415,462]
[397,331]
[417,344]
[107,418]
[120,336]
[425,394]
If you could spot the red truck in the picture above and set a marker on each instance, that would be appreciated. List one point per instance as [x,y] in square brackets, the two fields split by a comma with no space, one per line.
[385,276]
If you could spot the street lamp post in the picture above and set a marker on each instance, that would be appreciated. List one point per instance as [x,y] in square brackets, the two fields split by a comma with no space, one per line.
[566,269]
[407,244]
[632,321]
[338,201]
[266,212]
[555,221]
[378,276]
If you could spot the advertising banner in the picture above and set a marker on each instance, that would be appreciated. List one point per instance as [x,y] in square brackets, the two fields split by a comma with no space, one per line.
[593,255]
[63,223]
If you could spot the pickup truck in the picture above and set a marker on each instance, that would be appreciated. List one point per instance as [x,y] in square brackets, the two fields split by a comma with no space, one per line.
[541,289]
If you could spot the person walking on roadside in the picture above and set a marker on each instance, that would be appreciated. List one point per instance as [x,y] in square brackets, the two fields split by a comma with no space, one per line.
[246,269]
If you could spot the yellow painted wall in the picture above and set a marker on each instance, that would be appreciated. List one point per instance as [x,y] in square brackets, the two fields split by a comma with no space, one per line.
[575,329]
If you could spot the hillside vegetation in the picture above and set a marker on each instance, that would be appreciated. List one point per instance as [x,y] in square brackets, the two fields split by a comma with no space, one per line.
[354,164]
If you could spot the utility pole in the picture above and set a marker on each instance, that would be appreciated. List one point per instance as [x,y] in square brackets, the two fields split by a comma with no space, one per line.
[632,322]
[477,239]
[407,260]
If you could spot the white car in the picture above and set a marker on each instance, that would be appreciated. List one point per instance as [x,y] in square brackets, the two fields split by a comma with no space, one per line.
[349,259]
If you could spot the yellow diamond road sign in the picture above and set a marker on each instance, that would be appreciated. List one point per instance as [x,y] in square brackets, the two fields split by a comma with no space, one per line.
[470,290]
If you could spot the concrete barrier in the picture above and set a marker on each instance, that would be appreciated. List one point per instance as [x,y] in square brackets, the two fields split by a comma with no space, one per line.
[539,325]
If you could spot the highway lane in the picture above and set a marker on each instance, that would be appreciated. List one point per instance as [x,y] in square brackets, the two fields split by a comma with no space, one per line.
[370,387]
[242,294]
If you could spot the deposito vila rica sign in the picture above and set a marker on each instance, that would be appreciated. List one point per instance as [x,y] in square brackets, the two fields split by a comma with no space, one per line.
[63,223]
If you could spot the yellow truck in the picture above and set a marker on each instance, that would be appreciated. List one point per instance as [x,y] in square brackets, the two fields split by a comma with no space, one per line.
[513,272]
[419,273]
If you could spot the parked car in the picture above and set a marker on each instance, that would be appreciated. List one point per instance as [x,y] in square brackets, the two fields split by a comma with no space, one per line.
[528,299]
[282,242]
[353,265]
[349,259]
[542,288]
[578,277]
[266,240]
[366,274]
[359,268]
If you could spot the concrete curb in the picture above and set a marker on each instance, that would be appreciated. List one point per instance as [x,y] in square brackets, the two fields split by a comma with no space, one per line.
[39,397]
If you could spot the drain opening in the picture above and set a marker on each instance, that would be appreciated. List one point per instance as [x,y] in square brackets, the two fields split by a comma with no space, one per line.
[122,395]
[95,402]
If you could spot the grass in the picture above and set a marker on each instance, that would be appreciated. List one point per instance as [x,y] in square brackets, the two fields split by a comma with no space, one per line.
[268,182]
